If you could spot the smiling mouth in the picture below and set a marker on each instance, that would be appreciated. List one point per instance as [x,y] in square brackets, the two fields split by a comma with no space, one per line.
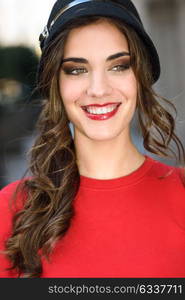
[101,109]
[99,112]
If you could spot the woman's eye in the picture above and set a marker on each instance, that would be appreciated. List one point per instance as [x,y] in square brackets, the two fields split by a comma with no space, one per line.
[74,71]
[120,68]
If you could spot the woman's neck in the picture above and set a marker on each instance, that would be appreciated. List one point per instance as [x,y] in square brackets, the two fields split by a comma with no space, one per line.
[107,159]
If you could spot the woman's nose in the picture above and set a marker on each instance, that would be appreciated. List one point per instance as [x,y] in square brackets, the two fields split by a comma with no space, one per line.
[99,86]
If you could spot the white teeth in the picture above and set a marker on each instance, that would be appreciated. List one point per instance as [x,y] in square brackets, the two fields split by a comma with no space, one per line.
[101,110]
[104,110]
[109,109]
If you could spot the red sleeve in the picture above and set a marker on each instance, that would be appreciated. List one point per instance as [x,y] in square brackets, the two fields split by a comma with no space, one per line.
[6,216]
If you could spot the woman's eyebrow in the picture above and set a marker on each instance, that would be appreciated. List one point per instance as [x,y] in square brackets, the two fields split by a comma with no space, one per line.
[85,61]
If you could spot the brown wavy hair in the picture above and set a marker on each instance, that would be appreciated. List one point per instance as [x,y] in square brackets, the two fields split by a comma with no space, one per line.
[48,209]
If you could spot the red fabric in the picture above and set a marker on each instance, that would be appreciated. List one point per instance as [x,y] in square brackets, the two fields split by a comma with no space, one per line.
[133,226]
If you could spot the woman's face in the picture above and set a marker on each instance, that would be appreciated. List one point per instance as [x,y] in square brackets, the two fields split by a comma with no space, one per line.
[97,85]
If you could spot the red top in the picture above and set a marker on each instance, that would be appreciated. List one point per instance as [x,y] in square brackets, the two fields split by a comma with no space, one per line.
[132,226]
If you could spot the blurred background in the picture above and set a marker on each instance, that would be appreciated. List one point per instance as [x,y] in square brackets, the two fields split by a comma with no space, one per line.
[21,23]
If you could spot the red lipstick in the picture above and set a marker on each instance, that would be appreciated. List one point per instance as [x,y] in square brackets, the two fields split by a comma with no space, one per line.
[100,105]
[103,116]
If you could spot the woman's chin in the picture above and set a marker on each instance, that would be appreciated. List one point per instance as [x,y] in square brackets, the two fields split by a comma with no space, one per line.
[102,136]
[98,134]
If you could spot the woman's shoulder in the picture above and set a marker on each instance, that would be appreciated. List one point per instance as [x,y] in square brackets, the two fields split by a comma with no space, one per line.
[161,170]
[9,190]
[12,197]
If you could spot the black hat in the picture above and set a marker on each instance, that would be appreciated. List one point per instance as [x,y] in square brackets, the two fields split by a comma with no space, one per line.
[65,11]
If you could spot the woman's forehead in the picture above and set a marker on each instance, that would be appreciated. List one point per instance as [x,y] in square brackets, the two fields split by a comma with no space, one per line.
[97,38]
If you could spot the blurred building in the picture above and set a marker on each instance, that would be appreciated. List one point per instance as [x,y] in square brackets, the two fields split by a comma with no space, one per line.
[22,21]
[165,22]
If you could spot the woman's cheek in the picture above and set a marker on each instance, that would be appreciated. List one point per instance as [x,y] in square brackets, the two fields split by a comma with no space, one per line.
[71,90]
[131,86]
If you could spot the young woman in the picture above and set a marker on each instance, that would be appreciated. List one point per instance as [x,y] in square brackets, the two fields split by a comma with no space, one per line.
[94,205]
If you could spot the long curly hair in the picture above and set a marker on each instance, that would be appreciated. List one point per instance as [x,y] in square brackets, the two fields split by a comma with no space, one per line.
[46,214]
